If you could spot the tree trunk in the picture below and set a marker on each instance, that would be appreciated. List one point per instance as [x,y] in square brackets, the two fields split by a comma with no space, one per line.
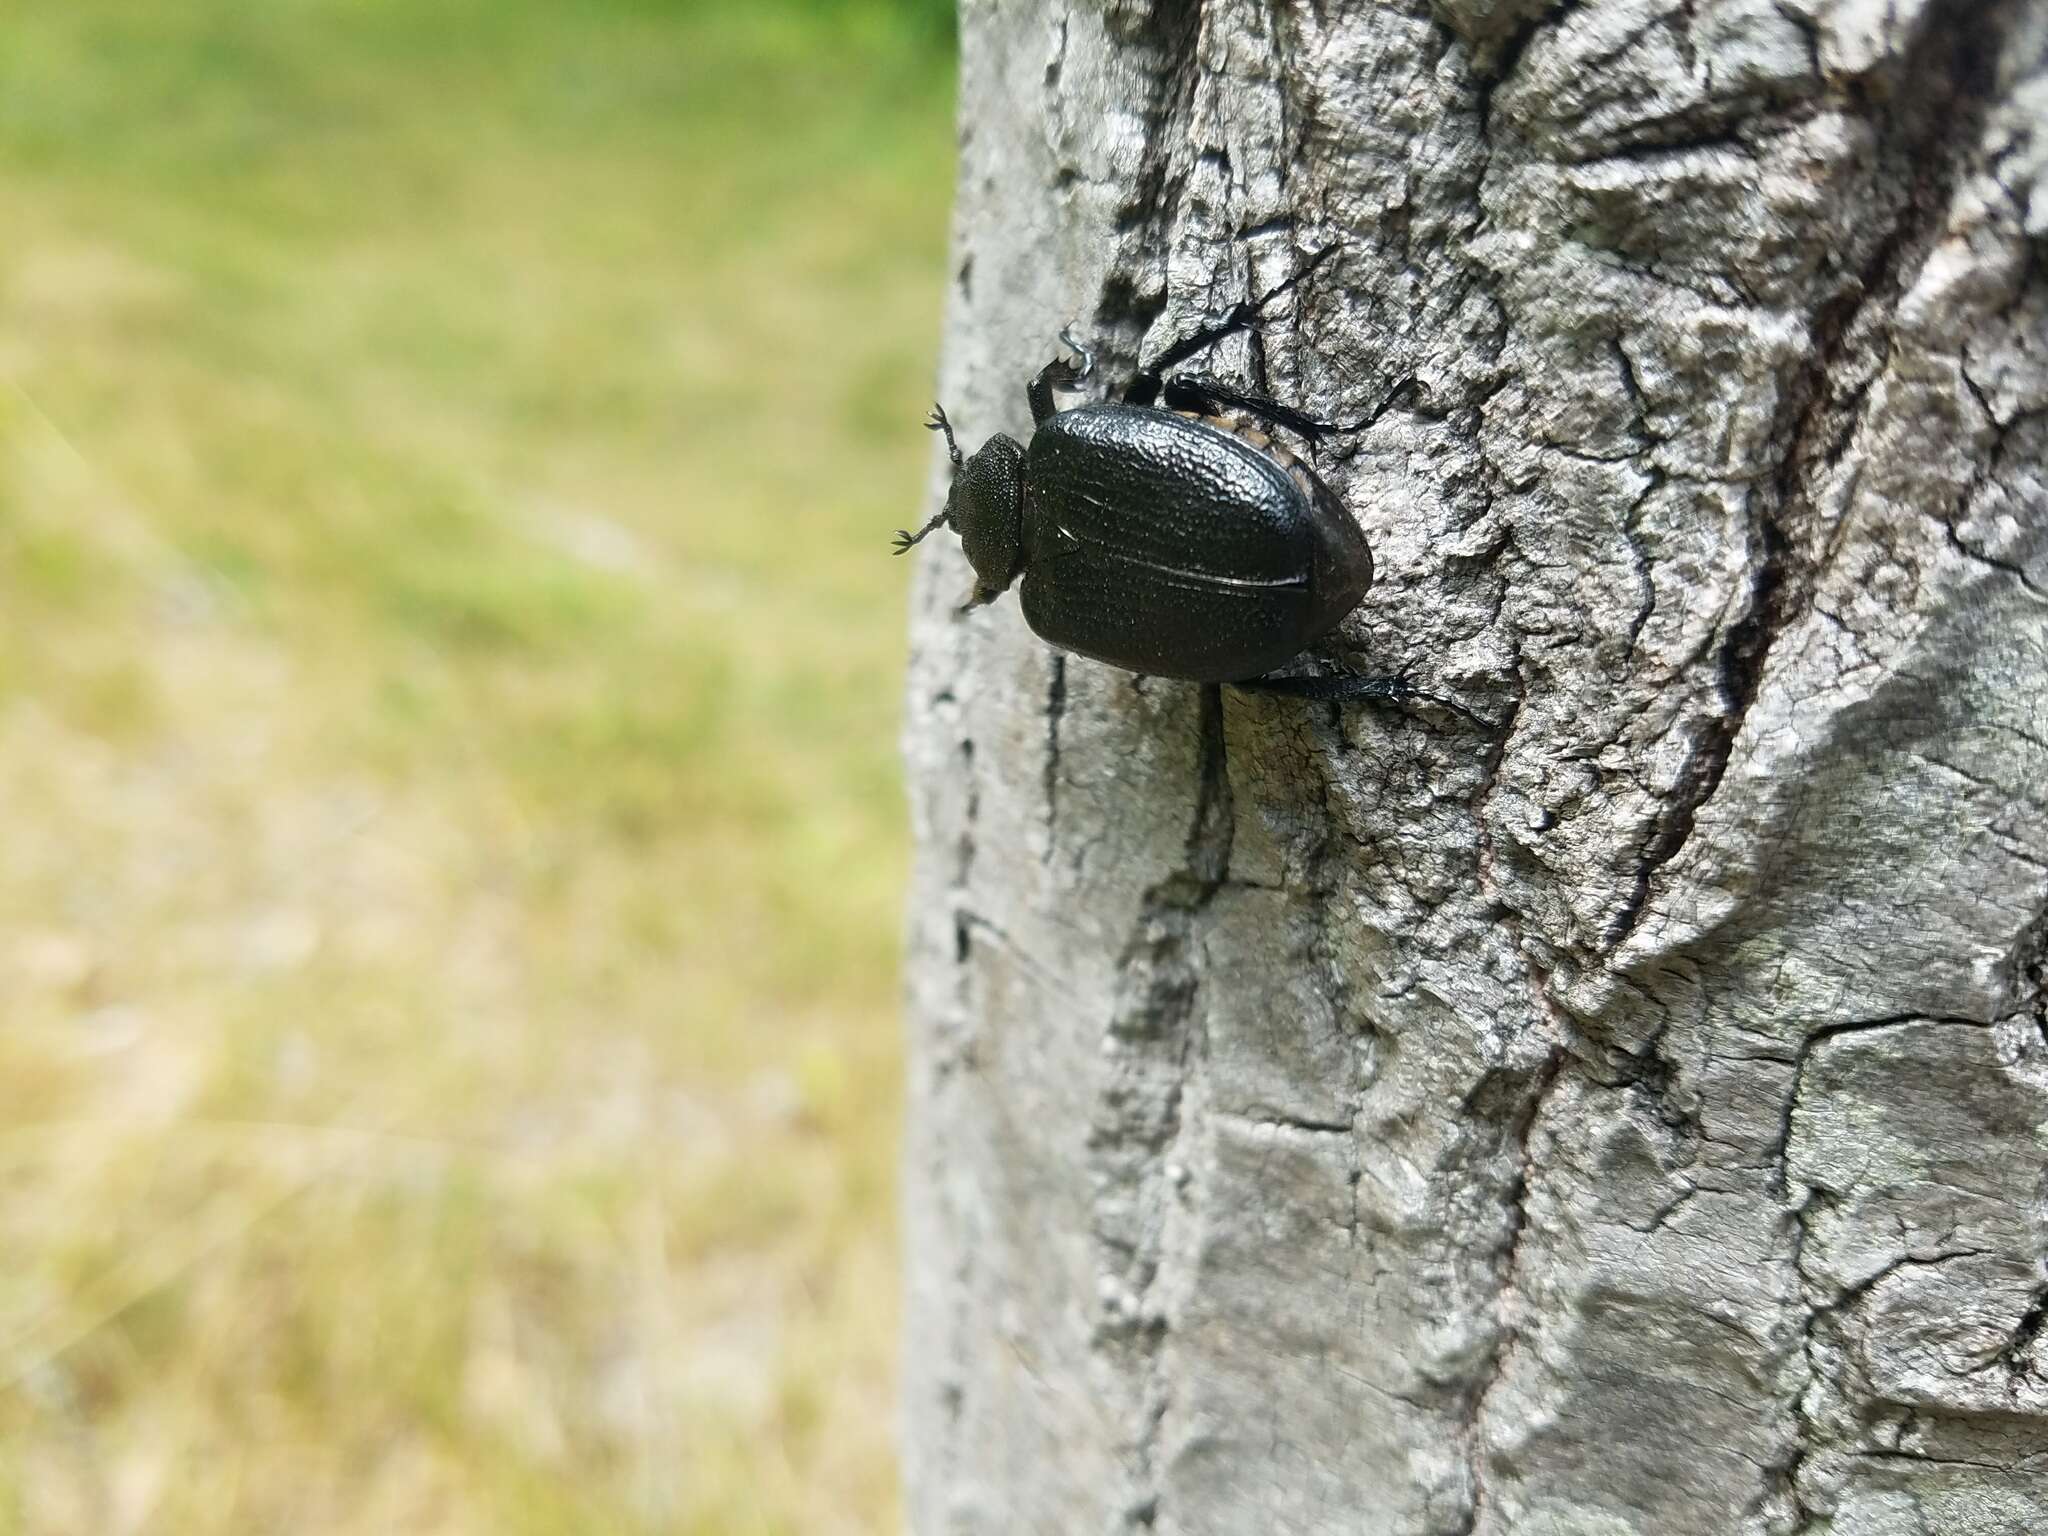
[1627,1113]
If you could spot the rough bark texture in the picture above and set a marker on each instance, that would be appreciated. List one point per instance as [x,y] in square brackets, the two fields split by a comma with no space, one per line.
[1628,1116]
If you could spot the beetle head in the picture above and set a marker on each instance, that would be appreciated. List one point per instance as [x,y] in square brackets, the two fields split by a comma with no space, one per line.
[986,508]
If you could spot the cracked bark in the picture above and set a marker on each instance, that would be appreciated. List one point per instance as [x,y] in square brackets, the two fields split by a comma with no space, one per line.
[1631,1119]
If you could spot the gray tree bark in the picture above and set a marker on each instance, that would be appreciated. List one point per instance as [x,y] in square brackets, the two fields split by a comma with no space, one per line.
[1626,1116]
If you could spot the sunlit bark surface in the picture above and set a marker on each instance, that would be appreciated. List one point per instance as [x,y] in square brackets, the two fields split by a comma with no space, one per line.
[1628,1114]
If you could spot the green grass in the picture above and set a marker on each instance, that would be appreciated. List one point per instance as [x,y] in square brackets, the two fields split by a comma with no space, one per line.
[450,874]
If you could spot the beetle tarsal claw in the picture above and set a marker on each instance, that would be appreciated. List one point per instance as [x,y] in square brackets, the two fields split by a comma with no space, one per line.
[1087,363]
[905,538]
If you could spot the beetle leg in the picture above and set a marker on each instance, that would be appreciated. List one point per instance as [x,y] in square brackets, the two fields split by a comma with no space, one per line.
[936,422]
[905,538]
[1211,397]
[1343,688]
[1055,375]
[980,597]
[1241,316]
[1087,358]
[1347,688]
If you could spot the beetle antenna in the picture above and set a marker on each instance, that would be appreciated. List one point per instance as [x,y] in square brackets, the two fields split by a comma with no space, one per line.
[905,538]
[936,422]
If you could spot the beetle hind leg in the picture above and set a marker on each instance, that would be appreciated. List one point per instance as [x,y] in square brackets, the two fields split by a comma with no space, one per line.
[1349,688]
[1211,397]
[1342,688]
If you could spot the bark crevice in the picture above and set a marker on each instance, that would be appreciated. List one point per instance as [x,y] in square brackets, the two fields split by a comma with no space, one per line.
[1141,1121]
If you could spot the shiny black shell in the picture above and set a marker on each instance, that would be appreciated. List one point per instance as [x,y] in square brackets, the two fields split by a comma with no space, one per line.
[1167,545]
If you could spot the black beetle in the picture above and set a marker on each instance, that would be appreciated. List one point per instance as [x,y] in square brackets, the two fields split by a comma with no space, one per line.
[1177,541]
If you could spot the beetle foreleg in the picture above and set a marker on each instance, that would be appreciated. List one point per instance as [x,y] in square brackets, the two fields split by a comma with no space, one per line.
[905,538]
[936,422]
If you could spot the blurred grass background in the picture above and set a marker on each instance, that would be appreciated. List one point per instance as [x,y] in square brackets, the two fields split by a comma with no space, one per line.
[450,831]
